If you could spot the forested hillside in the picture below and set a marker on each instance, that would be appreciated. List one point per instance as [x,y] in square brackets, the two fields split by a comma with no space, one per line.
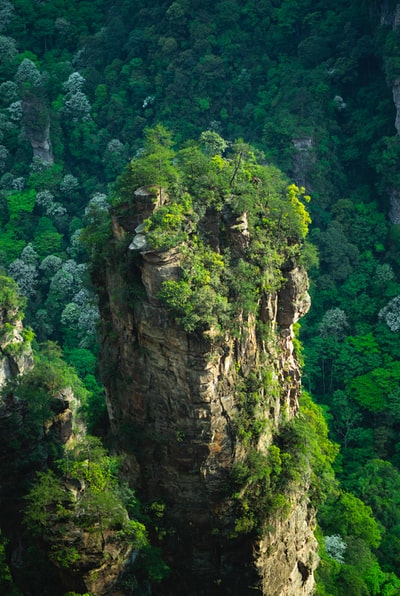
[314,87]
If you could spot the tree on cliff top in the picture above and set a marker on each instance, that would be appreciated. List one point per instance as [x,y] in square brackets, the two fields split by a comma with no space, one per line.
[199,182]
[153,164]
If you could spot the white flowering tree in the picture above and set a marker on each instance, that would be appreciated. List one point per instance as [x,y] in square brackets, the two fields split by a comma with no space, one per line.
[334,323]
[15,111]
[384,273]
[25,272]
[8,49]
[55,211]
[77,107]
[44,198]
[26,276]
[114,158]
[76,248]
[8,92]
[6,13]
[29,255]
[390,314]
[335,547]
[52,209]
[97,207]
[18,183]
[28,72]
[74,83]
[66,282]
[3,157]
[80,320]
[50,265]
[212,142]
[69,184]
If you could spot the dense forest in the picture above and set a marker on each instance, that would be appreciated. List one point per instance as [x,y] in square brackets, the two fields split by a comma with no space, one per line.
[307,88]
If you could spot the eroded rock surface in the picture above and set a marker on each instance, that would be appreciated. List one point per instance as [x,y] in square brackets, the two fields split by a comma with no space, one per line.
[173,403]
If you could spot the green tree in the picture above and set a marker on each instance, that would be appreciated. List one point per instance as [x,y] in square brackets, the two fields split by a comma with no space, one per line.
[154,165]
[348,516]
[10,299]
[377,483]
[212,142]
[20,201]
[45,500]
[98,506]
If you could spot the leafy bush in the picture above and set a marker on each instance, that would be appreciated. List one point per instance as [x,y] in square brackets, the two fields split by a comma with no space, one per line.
[98,507]
[10,298]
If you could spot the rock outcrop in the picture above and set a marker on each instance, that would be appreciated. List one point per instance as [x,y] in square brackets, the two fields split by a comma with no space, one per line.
[15,356]
[303,160]
[176,408]
[390,17]
[37,128]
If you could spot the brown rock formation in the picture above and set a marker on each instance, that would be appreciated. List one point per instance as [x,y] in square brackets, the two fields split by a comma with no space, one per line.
[174,407]
[37,127]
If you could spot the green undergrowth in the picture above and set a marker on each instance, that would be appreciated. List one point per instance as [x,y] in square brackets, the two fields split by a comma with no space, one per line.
[300,456]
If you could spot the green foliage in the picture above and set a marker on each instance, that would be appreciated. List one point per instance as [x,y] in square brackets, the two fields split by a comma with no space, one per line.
[301,452]
[269,214]
[10,299]
[45,500]
[47,178]
[19,202]
[167,226]
[360,573]
[10,246]
[98,507]
[41,389]
[299,213]
[372,389]
[199,299]
[82,360]
[151,559]
[154,165]
[351,517]
[377,484]
[93,403]
[258,490]
[17,345]
[310,449]
[97,232]
[48,242]
[213,143]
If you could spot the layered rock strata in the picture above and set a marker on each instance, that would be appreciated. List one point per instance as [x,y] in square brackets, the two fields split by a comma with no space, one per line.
[173,405]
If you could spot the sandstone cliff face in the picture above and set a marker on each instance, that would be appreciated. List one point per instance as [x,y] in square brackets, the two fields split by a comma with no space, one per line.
[174,408]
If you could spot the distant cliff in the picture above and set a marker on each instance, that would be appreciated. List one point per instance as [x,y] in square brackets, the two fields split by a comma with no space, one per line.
[203,381]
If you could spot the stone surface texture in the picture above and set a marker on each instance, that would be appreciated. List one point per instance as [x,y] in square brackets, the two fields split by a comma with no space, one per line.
[172,401]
